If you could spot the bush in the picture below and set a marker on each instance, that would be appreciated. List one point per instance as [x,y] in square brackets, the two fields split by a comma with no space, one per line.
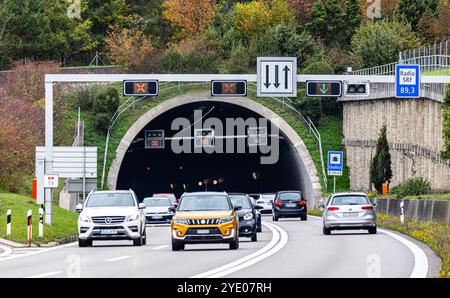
[378,43]
[446,124]
[106,100]
[84,98]
[101,122]
[319,67]
[412,187]
[310,107]
[191,62]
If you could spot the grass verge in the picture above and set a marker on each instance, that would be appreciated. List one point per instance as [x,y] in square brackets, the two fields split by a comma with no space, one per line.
[434,234]
[64,222]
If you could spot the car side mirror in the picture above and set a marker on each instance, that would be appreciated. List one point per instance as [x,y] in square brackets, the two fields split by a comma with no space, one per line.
[258,207]
[374,204]
[79,208]
[142,206]
[322,206]
[236,208]
[172,209]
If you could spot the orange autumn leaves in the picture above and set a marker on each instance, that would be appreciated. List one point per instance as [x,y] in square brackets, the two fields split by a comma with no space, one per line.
[191,16]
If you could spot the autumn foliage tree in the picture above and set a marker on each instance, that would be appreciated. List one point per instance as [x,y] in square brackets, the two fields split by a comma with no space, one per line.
[190,16]
[131,49]
[21,121]
[301,9]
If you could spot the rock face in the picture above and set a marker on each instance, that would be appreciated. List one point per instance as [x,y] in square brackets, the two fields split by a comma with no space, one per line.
[414,132]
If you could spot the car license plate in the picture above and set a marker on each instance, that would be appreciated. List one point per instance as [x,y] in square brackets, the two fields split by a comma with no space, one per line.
[157,217]
[108,232]
[290,205]
[350,214]
[202,232]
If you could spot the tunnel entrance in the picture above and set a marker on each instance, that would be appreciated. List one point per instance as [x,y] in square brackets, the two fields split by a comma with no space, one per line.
[149,171]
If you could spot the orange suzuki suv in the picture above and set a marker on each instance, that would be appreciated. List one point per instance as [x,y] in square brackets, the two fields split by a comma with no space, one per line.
[205,217]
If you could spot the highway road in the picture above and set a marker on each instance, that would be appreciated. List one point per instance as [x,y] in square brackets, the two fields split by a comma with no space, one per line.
[287,248]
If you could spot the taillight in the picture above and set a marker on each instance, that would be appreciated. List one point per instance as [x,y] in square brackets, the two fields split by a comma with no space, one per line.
[332,208]
[367,207]
[302,202]
[278,203]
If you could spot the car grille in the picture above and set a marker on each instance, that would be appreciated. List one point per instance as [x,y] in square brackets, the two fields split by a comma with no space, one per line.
[108,219]
[203,221]
[213,231]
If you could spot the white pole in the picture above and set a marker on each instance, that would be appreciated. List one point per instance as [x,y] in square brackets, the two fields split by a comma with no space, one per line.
[41,223]
[30,227]
[8,222]
[48,148]
[334,184]
[402,212]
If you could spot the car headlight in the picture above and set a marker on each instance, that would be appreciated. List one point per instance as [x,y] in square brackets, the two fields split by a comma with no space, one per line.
[182,221]
[226,219]
[248,216]
[133,217]
[84,218]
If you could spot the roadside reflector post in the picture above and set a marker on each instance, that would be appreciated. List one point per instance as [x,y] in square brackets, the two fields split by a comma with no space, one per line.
[30,227]
[402,211]
[8,222]
[41,223]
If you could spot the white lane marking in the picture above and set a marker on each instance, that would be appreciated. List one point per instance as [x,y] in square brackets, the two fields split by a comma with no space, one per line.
[420,269]
[117,259]
[45,274]
[6,251]
[159,247]
[279,240]
[32,253]
[420,258]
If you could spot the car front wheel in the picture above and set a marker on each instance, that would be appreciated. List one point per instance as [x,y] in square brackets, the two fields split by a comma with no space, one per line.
[177,246]
[235,243]
[326,231]
[373,230]
[84,243]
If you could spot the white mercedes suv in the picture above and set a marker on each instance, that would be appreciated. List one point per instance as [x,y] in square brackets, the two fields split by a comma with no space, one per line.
[111,215]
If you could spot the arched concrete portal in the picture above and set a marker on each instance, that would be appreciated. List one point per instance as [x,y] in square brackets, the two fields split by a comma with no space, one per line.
[307,173]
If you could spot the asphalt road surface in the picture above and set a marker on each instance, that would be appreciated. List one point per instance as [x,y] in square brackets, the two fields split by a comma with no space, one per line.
[287,248]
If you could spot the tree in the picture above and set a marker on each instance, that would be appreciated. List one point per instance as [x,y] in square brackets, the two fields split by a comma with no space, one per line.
[412,10]
[327,21]
[380,167]
[190,16]
[378,43]
[131,49]
[41,29]
[353,19]
[302,10]
[257,17]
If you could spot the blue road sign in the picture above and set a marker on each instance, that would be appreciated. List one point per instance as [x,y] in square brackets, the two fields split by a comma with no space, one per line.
[407,81]
[335,163]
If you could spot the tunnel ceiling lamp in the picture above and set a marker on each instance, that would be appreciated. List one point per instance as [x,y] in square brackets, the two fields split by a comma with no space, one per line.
[200,183]
[215,182]
[254,176]
[171,185]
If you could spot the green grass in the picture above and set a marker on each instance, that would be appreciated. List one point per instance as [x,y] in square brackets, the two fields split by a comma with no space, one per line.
[64,222]
[441,72]
[434,234]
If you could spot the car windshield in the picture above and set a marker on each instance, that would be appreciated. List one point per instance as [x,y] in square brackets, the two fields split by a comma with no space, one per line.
[152,202]
[350,200]
[290,196]
[111,200]
[204,203]
[241,201]
[268,197]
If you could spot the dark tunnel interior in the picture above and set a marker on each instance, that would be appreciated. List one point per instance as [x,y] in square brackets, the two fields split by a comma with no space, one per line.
[149,171]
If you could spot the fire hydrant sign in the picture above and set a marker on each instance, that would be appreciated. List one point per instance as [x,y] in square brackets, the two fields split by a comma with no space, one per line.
[51,181]
[407,81]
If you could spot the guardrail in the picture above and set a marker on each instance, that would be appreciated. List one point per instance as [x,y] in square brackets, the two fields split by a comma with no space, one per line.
[414,209]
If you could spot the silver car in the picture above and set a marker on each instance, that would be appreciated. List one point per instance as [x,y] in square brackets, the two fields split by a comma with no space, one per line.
[349,211]
[265,200]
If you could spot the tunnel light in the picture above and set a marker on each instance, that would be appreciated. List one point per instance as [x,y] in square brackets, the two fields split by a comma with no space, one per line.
[215,182]
[200,183]
[254,176]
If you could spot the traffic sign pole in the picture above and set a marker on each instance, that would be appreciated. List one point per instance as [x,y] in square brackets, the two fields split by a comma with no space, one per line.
[48,196]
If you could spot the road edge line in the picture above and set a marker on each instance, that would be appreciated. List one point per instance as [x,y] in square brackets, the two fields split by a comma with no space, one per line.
[420,269]
[12,257]
[6,251]
[276,236]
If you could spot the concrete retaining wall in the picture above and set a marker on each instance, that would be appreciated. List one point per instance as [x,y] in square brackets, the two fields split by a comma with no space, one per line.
[423,210]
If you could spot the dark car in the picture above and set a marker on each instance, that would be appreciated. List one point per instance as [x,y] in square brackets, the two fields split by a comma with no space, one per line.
[248,215]
[258,214]
[289,204]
